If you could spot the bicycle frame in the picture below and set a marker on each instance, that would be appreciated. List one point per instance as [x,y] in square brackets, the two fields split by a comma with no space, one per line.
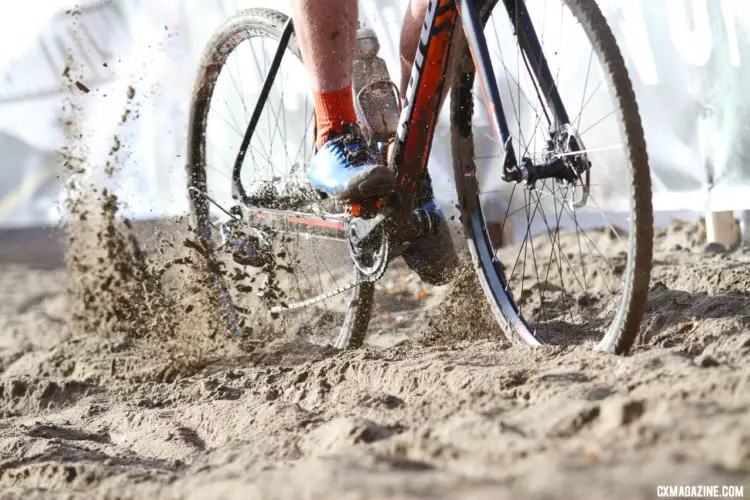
[421,109]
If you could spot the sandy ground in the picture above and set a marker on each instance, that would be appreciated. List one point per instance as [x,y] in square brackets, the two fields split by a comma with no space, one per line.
[426,416]
[117,381]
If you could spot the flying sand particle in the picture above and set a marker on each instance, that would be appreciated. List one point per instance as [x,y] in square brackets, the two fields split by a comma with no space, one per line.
[83,88]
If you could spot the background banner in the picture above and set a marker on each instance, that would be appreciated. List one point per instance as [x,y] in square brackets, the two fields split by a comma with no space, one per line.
[688,60]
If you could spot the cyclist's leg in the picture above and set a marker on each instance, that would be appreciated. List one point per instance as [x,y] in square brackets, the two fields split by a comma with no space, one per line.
[326,31]
[410,30]
[434,258]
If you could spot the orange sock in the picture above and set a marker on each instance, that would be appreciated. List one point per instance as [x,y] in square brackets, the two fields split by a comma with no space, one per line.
[333,110]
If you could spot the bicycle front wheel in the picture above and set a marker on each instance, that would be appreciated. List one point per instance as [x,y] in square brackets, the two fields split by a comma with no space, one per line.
[562,260]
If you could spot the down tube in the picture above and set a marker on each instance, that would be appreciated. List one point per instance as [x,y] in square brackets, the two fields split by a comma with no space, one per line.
[420,113]
[474,31]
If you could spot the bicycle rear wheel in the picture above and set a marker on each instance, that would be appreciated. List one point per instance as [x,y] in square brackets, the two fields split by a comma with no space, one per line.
[297,266]
[552,265]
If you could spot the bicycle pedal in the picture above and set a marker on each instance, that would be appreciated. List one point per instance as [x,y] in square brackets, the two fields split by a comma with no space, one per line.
[367,209]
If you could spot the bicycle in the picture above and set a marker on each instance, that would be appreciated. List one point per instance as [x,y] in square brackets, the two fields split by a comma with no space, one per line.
[277,216]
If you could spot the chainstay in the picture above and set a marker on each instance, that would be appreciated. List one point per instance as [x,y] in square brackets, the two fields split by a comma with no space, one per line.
[344,288]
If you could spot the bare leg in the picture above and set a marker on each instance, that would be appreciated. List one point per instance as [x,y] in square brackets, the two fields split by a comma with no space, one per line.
[327,31]
[410,31]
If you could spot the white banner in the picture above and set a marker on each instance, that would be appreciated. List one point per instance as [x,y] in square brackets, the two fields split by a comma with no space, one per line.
[687,59]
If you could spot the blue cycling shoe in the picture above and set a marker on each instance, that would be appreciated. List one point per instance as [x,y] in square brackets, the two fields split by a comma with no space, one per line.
[433,257]
[344,169]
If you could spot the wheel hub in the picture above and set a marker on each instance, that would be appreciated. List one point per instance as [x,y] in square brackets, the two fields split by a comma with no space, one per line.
[250,247]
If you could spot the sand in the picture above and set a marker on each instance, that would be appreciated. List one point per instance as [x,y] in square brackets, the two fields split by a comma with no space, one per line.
[424,411]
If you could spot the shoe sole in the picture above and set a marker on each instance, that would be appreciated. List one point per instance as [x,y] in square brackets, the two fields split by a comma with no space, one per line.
[434,259]
[378,181]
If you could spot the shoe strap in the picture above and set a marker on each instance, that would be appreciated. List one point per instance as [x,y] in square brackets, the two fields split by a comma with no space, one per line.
[350,141]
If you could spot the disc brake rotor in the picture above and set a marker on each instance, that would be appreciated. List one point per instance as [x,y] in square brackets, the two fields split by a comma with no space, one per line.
[567,145]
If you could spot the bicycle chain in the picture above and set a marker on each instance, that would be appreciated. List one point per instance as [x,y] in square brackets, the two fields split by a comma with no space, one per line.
[325,296]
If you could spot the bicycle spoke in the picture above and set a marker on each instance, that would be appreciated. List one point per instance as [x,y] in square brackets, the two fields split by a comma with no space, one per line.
[588,101]
[585,86]
[554,239]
